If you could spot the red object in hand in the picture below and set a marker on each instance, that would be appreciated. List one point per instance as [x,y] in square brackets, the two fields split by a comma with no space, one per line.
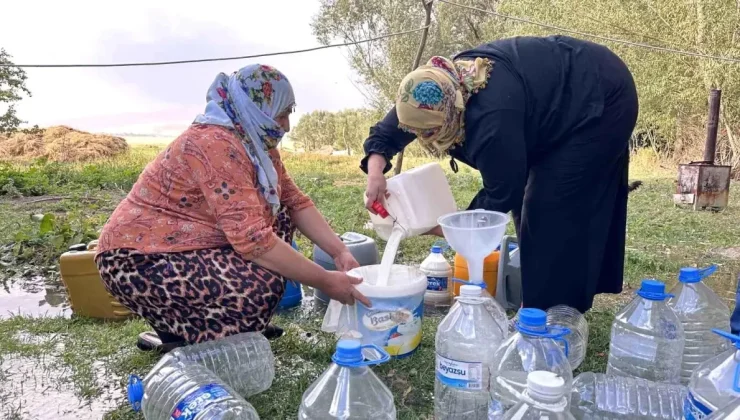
[382,212]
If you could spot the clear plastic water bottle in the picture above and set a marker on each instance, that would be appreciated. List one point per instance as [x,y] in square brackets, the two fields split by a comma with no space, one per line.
[599,396]
[494,308]
[544,399]
[647,338]
[348,389]
[174,390]
[438,272]
[534,346]
[715,383]
[243,361]
[728,412]
[700,311]
[466,340]
[566,317]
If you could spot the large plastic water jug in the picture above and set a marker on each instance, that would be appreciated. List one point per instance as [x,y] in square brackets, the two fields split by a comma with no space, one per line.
[417,198]
[599,396]
[293,294]
[395,319]
[348,389]
[362,247]
[465,342]
[243,361]
[174,390]
[700,311]
[564,316]
[544,399]
[533,347]
[715,383]
[728,412]
[647,338]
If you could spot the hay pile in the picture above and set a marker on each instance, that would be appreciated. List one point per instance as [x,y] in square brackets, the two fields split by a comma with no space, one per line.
[60,144]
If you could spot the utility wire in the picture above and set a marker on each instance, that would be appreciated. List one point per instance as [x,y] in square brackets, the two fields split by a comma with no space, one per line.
[206,60]
[601,37]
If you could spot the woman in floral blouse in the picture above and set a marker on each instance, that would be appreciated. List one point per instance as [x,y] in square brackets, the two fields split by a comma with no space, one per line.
[200,247]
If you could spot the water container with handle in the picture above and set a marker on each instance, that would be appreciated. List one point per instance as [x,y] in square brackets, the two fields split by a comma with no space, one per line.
[243,361]
[496,311]
[700,310]
[728,412]
[533,347]
[417,198]
[647,337]
[599,396]
[716,382]
[544,399]
[348,389]
[564,316]
[509,283]
[465,342]
[174,390]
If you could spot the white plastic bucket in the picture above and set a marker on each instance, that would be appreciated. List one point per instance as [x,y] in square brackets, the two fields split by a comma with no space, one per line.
[395,318]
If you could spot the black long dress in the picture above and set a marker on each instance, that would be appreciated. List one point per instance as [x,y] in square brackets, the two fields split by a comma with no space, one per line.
[549,135]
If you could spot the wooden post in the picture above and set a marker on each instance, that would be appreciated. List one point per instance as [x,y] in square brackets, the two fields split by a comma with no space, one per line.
[417,60]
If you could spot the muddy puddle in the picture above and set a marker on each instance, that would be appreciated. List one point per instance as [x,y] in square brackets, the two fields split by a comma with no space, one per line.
[32,295]
[42,388]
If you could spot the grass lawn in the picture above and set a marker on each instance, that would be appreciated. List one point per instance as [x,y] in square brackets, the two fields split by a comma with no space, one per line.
[55,364]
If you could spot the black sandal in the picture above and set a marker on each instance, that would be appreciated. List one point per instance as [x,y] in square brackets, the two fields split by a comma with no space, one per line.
[272,332]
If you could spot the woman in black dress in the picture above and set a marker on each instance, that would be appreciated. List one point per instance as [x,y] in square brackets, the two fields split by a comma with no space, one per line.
[546,121]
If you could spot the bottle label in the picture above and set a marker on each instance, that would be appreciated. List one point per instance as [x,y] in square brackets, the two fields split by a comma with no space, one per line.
[438,284]
[456,374]
[393,323]
[189,407]
[693,409]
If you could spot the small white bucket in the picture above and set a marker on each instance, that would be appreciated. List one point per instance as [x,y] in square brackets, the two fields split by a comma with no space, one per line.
[395,318]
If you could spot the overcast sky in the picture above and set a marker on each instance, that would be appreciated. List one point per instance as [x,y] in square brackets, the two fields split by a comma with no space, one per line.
[161,99]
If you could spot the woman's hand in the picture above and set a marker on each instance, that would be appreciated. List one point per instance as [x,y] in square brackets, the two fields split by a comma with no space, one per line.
[376,183]
[345,261]
[340,287]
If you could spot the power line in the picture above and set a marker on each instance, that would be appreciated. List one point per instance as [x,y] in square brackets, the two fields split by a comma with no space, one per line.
[601,37]
[206,60]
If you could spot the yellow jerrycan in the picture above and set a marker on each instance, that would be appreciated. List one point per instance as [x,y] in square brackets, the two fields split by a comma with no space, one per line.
[87,295]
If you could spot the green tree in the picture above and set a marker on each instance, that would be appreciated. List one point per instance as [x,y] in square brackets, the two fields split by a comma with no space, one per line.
[12,87]
[673,88]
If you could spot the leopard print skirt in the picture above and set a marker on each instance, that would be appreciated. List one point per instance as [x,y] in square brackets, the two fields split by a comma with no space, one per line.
[198,295]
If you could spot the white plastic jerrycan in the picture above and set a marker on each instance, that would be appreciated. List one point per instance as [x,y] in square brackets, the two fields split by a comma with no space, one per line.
[417,198]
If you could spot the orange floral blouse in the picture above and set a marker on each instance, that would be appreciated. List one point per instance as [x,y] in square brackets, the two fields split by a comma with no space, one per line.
[201,192]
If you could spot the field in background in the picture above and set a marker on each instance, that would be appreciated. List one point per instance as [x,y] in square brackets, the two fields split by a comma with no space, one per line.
[87,362]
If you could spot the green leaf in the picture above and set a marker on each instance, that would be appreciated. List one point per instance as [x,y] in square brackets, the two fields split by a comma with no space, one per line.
[47,224]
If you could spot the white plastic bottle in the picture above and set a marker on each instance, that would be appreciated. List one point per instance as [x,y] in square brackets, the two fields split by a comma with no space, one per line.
[175,390]
[438,272]
[544,399]
[243,361]
[348,389]
[647,338]
[494,308]
[465,343]
[715,383]
[534,346]
[700,311]
[597,396]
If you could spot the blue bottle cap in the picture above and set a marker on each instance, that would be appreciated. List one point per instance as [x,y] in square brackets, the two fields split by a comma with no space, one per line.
[135,391]
[532,318]
[695,275]
[436,249]
[651,289]
[348,352]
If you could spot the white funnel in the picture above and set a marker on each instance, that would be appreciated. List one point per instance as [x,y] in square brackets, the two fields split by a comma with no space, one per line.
[474,234]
